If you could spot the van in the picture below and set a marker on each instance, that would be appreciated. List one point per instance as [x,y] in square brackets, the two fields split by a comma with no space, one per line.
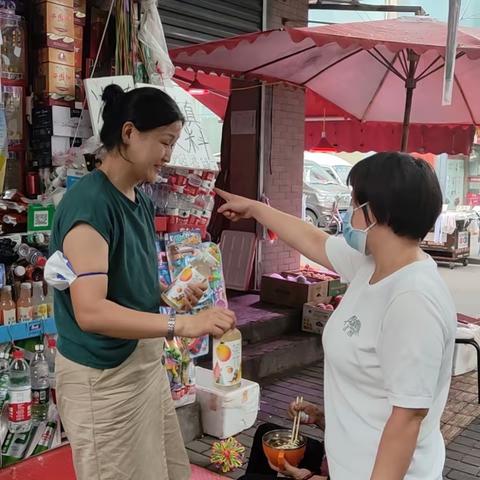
[337,167]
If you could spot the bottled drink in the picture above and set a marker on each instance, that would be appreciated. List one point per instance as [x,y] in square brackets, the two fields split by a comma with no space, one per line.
[40,386]
[7,307]
[4,378]
[24,304]
[49,300]
[46,439]
[50,355]
[20,393]
[227,359]
[39,302]
[31,255]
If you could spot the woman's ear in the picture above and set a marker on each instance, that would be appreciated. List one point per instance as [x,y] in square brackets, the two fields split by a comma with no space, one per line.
[127,132]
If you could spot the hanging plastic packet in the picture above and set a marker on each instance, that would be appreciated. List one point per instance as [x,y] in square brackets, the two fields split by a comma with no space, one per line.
[59,272]
[181,372]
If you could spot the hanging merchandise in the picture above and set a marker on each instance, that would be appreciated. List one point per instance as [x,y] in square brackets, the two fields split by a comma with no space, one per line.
[152,38]
[181,371]
[127,50]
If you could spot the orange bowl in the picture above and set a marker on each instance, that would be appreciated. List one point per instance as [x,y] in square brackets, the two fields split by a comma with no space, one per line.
[272,447]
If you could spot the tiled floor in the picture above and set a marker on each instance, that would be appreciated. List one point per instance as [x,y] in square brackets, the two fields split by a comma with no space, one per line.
[460,422]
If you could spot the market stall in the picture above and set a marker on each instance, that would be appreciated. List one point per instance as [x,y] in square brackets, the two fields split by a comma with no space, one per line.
[449,241]
[48,140]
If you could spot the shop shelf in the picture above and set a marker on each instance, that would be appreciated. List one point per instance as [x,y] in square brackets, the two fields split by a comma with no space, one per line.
[21,331]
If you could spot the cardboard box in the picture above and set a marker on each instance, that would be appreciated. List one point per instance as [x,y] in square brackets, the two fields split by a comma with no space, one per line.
[314,318]
[64,3]
[55,81]
[61,122]
[336,287]
[78,45]
[54,55]
[280,291]
[54,26]
[80,12]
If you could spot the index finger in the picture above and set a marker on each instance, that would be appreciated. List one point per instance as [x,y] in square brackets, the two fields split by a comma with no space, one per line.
[223,194]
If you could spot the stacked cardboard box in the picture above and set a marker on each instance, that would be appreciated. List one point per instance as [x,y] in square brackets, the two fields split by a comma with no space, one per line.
[54,34]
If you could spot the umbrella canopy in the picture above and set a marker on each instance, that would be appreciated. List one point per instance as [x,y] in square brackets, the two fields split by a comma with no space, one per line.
[371,70]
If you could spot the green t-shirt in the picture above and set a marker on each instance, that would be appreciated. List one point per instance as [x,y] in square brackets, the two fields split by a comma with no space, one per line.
[128,228]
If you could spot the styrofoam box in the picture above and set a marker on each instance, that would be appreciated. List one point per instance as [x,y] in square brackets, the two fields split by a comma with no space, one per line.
[226,412]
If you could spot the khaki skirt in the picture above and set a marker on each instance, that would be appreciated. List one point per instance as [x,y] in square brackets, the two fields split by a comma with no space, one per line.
[121,422]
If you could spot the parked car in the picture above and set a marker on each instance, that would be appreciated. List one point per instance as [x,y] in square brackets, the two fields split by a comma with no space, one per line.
[325,198]
[336,166]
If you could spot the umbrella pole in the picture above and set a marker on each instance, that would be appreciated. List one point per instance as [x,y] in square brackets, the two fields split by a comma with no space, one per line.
[410,84]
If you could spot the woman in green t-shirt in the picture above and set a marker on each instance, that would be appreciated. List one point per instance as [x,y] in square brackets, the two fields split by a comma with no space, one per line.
[113,393]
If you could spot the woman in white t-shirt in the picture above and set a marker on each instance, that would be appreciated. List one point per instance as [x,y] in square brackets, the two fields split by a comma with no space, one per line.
[389,346]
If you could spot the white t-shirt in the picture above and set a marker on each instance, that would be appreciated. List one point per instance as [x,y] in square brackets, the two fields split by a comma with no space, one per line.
[388,344]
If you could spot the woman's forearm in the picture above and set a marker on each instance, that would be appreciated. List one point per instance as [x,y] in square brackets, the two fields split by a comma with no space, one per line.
[303,237]
[397,445]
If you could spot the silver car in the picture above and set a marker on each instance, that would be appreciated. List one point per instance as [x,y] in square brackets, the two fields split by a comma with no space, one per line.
[325,198]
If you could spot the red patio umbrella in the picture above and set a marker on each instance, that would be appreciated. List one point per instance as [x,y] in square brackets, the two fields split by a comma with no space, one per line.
[369,70]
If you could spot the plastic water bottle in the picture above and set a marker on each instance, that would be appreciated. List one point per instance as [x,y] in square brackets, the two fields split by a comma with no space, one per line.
[40,386]
[50,355]
[4,378]
[20,392]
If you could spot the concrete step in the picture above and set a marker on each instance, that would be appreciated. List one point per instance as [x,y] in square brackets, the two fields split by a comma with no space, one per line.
[281,355]
[277,356]
[259,321]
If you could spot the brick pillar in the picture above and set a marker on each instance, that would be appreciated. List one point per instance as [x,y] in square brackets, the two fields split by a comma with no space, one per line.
[283,171]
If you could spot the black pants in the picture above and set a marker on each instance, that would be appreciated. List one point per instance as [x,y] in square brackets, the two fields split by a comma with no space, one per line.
[258,468]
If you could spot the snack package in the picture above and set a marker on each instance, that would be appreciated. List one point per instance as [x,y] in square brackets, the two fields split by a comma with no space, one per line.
[181,372]
[163,270]
[180,247]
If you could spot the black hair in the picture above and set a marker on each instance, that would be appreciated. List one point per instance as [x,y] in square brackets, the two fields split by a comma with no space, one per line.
[147,108]
[402,192]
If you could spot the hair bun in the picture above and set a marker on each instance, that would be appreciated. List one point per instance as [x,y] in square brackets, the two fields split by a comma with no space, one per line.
[111,97]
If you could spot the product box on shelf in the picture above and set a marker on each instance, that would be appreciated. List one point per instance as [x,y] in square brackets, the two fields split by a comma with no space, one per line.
[61,122]
[54,23]
[78,44]
[55,55]
[80,12]
[56,81]
[293,290]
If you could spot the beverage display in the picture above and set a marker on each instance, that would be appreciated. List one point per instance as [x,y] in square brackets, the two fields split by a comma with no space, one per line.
[4,377]
[31,255]
[7,307]
[49,301]
[40,386]
[20,393]
[227,359]
[50,355]
[46,440]
[39,302]
[24,304]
